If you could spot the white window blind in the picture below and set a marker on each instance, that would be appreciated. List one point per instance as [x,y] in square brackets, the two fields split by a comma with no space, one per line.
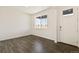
[41,22]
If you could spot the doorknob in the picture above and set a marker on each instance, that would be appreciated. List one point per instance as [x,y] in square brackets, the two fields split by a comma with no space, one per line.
[60,28]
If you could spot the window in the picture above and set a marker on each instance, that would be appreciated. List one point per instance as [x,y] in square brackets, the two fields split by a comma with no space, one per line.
[68,11]
[41,22]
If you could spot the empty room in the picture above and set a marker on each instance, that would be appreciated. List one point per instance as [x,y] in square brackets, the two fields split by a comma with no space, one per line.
[39,29]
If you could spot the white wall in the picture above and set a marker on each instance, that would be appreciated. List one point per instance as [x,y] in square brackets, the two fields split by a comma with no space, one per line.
[13,23]
[50,32]
[78,26]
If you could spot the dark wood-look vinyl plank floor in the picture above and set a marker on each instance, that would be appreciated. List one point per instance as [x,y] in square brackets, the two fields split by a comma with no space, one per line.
[35,44]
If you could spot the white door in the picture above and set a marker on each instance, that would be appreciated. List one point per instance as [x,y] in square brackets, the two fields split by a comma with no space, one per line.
[68,23]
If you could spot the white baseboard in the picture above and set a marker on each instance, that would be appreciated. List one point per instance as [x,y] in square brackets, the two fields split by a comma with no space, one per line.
[47,38]
[55,41]
[14,36]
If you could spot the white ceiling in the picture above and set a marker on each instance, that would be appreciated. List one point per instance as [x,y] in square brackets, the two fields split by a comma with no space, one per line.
[31,9]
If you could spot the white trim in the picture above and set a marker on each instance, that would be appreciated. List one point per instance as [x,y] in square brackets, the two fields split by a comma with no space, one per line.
[53,39]
[15,36]
[68,15]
